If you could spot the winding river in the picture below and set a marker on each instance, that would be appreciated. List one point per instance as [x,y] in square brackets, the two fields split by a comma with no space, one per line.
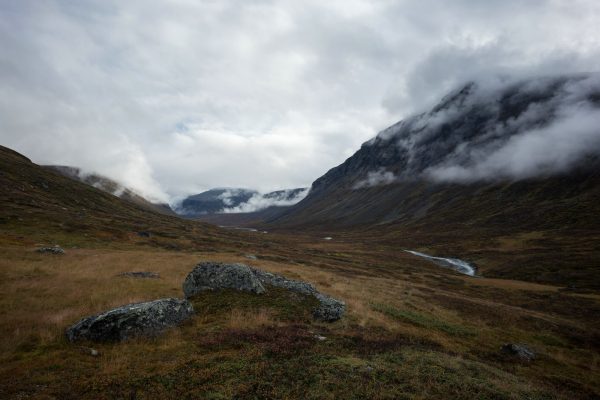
[458,265]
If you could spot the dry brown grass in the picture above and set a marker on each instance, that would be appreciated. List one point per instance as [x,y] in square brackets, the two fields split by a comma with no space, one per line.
[44,294]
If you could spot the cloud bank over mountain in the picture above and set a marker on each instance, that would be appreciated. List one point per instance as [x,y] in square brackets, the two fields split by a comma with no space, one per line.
[504,130]
[172,98]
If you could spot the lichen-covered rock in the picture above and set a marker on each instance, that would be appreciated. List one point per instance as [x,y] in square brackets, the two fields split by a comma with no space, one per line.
[139,319]
[519,351]
[329,309]
[215,276]
[270,279]
[51,250]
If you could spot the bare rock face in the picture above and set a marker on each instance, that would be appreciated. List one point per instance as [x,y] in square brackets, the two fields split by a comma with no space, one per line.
[139,319]
[215,276]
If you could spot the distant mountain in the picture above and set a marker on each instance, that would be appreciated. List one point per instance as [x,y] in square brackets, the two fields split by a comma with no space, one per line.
[110,186]
[236,200]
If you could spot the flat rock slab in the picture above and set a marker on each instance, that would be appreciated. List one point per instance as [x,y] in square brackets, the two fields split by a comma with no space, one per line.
[216,276]
[140,274]
[139,319]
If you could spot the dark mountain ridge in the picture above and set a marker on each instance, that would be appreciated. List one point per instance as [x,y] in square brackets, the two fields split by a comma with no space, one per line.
[418,170]
[110,186]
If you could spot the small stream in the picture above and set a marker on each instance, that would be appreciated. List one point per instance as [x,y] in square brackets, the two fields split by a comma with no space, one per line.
[458,265]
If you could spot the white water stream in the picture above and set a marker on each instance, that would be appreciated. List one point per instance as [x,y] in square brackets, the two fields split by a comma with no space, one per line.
[459,265]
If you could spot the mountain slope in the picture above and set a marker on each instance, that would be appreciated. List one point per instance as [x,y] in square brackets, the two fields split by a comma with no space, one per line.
[110,186]
[483,168]
[40,205]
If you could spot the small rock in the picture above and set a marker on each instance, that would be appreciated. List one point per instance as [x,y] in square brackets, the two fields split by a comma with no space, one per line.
[368,368]
[89,351]
[139,319]
[327,238]
[520,351]
[145,234]
[214,276]
[320,338]
[140,274]
[251,257]
[51,250]
[329,309]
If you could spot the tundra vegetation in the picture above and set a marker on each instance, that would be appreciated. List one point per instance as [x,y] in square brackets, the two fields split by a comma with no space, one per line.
[412,330]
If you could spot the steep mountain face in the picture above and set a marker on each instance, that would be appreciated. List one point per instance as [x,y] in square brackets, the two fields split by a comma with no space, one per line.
[110,186]
[483,156]
[234,201]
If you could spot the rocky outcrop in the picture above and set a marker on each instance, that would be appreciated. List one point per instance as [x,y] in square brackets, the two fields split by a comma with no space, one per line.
[215,276]
[329,308]
[51,250]
[520,351]
[139,319]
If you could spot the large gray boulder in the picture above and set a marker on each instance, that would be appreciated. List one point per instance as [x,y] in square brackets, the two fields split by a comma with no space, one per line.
[215,276]
[139,319]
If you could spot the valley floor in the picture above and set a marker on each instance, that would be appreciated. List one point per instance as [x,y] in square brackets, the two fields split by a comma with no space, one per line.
[412,330]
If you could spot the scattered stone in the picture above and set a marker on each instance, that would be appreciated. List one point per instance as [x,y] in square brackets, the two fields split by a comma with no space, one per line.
[140,274]
[145,234]
[520,351]
[51,250]
[320,338]
[139,319]
[89,351]
[368,368]
[327,238]
[215,276]
[251,257]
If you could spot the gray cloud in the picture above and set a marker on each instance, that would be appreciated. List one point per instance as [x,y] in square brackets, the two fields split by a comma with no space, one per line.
[380,177]
[172,98]
[259,201]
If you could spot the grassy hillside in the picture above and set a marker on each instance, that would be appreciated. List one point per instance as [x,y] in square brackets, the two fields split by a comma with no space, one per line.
[413,330]
[543,230]
[38,205]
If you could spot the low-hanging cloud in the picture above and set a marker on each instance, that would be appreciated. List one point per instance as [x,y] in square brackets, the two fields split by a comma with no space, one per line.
[380,177]
[498,130]
[261,201]
[533,153]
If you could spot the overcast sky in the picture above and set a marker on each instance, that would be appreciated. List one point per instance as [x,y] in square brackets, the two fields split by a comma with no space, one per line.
[175,97]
